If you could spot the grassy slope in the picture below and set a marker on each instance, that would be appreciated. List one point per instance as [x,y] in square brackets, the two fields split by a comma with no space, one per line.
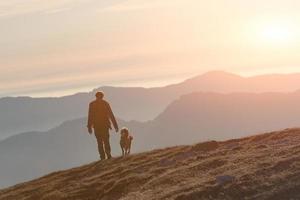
[260,167]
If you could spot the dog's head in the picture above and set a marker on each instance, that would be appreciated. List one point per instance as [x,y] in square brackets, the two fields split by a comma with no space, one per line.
[124,132]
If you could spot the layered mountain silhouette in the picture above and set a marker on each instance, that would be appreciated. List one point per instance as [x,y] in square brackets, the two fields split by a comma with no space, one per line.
[23,114]
[204,116]
[190,119]
[260,167]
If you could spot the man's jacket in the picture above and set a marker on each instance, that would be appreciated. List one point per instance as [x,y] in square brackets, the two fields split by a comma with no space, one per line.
[100,115]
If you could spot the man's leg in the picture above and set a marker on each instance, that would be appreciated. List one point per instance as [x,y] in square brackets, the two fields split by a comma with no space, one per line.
[100,145]
[106,143]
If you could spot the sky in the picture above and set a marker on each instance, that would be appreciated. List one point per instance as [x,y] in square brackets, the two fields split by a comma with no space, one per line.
[59,47]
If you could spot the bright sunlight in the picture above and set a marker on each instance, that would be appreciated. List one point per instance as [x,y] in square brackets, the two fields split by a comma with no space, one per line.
[277,32]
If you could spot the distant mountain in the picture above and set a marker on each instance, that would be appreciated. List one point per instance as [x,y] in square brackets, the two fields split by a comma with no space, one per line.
[223,82]
[206,116]
[260,167]
[192,118]
[23,114]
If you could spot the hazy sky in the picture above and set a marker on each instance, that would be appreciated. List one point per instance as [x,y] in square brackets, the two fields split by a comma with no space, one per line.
[56,47]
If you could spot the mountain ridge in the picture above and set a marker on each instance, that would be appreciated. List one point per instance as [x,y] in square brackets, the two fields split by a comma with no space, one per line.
[24,114]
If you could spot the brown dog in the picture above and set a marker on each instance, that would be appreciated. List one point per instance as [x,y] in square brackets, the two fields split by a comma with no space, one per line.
[125,141]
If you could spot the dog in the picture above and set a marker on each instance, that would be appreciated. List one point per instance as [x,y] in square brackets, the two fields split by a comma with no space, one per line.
[125,141]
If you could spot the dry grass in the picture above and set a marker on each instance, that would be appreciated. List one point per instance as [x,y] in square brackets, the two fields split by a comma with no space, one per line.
[260,167]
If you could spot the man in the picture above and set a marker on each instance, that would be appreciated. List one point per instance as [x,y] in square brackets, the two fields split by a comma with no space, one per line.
[100,118]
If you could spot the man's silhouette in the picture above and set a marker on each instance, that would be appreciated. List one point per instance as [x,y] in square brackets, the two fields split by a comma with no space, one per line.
[100,118]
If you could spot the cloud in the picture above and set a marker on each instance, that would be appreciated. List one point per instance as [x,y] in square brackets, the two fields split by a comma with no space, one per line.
[136,5]
[14,8]
[58,10]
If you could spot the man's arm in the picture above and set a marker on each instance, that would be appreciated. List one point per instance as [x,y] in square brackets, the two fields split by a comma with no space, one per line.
[112,118]
[90,119]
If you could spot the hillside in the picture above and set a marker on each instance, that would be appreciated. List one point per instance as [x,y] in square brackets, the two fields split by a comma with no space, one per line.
[24,114]
[259,167]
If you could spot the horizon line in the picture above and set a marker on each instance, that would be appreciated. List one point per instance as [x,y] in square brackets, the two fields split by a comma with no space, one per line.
[74,91]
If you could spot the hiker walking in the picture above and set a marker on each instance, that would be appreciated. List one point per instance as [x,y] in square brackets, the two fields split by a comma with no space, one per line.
[100,117]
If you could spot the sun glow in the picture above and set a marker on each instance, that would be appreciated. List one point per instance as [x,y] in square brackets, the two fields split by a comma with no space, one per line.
[276,32]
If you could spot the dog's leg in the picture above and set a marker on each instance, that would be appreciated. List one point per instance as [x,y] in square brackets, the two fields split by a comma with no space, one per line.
[129,148]
[122,150]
